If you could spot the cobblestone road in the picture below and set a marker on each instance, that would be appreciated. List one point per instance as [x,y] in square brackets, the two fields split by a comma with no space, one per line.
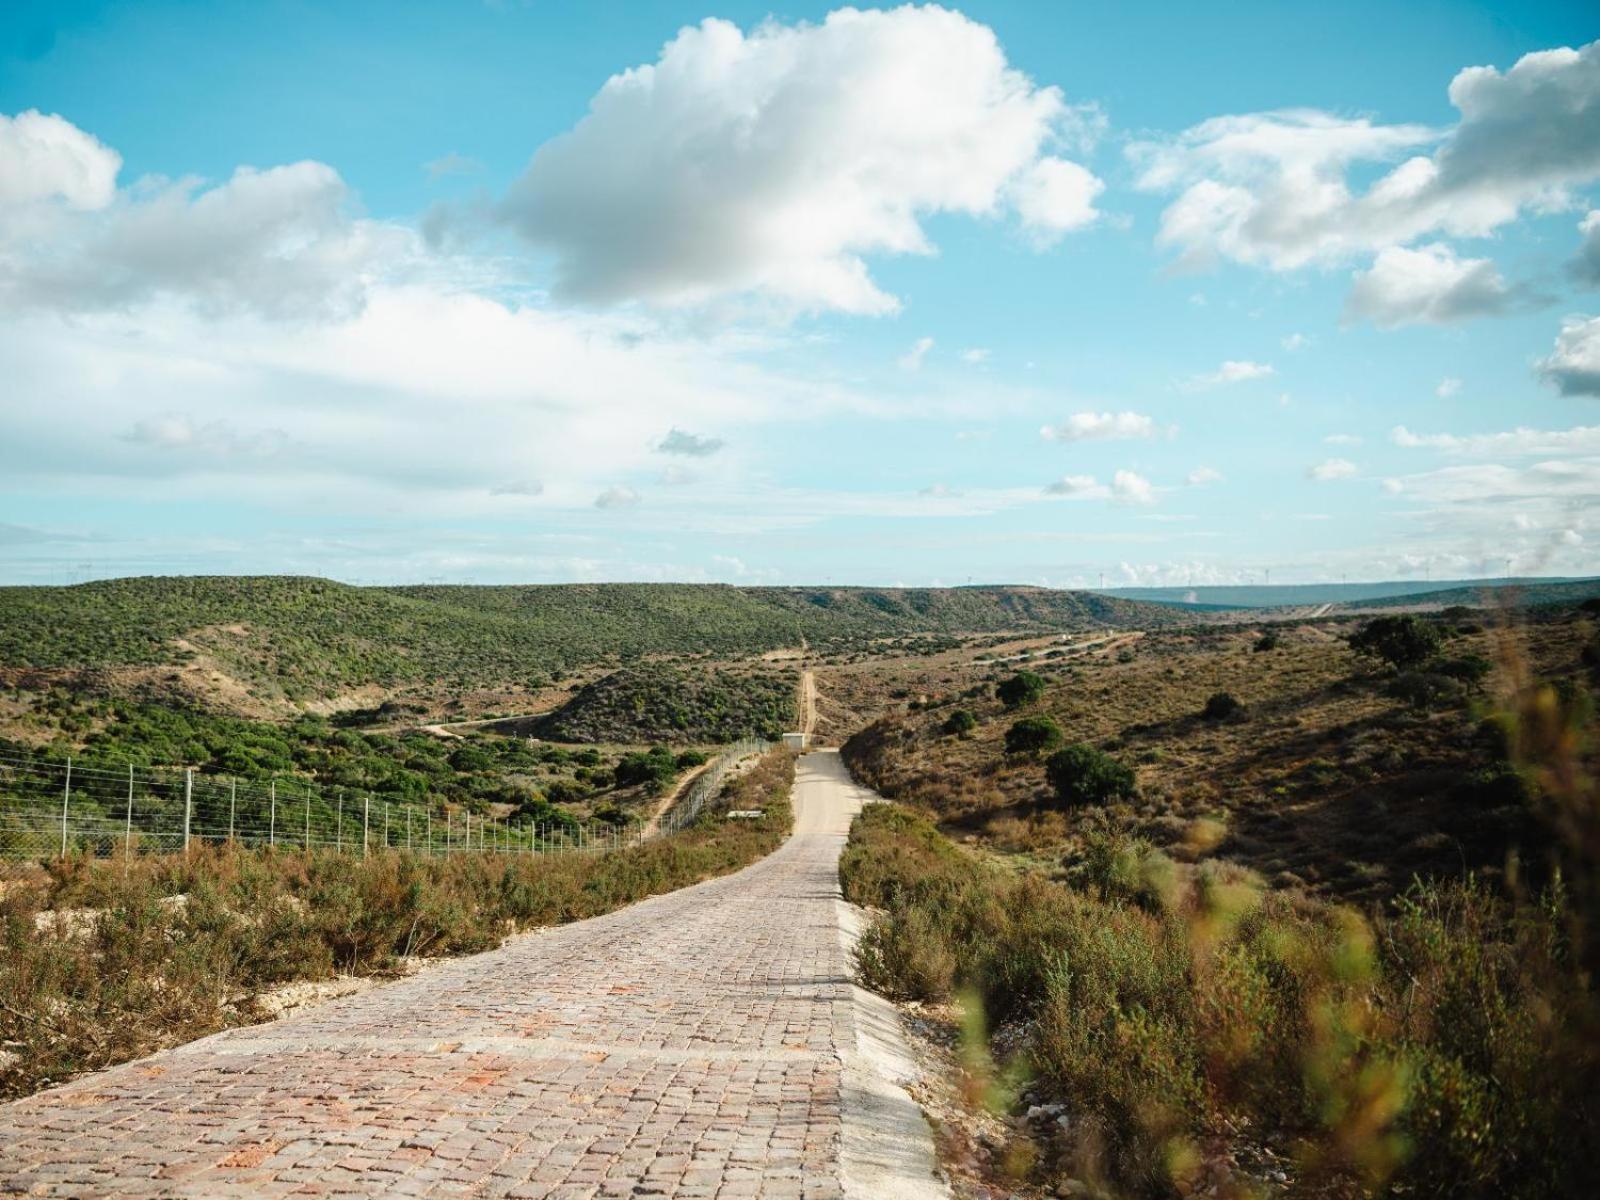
[694,1045]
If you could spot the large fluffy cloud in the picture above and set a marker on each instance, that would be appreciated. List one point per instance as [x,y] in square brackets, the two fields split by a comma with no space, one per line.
[44,157]
[1428,285]
[1574,365]
[278,242]
[1274,188]
[772,163]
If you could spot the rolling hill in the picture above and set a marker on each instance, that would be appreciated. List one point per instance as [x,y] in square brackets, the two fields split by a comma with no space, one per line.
[295,640]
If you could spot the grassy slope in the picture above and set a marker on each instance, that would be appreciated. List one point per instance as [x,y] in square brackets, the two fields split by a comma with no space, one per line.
[298,638]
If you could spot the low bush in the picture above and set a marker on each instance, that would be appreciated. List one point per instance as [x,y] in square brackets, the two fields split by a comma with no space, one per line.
[1426,689]
[1222,706]
[1443,1049]
[1022,689]
[1033,735]
[1401,641]
[960,723]
[1081,775]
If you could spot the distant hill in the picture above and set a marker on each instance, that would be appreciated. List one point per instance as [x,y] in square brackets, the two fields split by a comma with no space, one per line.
[1365,594]
[296,639]
[1527,594]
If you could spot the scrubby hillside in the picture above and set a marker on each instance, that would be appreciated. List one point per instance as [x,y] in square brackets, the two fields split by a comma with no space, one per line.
[659,703]
[1306,763]
[285,640]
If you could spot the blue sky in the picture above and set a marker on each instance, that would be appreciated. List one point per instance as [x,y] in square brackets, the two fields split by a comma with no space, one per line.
[1011,292]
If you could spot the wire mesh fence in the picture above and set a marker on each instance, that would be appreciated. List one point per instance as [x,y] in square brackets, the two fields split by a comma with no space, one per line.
[709,783]
[53,808]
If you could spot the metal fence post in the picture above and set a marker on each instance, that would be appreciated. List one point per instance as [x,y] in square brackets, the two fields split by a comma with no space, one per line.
[272,813]
[366,812]
[385,824]
[188,804]
[408,827]
[305,837]
[233,805]
[127,823]
[338,826]
[66,802]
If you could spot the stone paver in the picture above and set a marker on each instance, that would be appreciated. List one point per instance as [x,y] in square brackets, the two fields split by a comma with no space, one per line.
[689,1046]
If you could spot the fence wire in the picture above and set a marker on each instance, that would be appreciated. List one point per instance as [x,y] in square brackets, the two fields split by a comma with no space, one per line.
[709,784]
[53,808]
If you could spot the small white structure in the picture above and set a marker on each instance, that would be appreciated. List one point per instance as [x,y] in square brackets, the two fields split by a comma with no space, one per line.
[796,741]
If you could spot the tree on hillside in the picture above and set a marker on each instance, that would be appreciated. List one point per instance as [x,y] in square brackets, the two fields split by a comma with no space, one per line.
[1082,775]
[1033,735]
[1020,690]
[1401,641]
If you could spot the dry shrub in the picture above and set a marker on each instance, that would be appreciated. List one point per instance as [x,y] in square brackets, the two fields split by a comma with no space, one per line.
[1442,1049]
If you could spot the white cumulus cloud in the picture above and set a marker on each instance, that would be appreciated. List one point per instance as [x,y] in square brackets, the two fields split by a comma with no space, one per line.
[773,163]
[1573,367]
[44,157]
[1127,487]
[1274,189]
[1428,285]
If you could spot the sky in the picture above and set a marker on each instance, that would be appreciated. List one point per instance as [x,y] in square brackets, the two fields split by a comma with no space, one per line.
[1051,293]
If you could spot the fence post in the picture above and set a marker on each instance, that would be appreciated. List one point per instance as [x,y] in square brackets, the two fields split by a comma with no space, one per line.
[233,804]
[430,830]
[408,827]
[385,824]
[66,802]
[188,804]
[127,824]
[447,833]
[366,812]
[305,836]
[272,814]
[469,829]
[338,825]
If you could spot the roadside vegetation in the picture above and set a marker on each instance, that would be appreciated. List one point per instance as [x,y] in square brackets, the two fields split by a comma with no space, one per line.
[103,961]
[1167,1019]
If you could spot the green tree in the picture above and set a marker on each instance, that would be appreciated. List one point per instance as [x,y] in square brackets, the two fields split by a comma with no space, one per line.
[1020,690]
[1033,735]
[1082,775]
[1401,641]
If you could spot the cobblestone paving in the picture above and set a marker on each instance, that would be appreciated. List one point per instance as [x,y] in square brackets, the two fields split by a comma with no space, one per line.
[688,1046]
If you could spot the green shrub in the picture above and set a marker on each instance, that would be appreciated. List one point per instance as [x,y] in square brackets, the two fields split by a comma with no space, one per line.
[1033,735]
[1221,706]
[960,723]
[1020,690]
[1401,641]
[1425,689]
[1082,775]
